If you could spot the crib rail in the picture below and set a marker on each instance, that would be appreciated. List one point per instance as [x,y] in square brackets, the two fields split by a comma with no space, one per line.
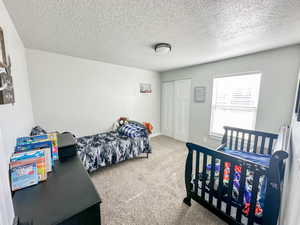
[249,140]
[210,190]
[276,174]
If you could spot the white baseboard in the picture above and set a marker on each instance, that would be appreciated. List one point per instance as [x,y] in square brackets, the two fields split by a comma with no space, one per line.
[154,135]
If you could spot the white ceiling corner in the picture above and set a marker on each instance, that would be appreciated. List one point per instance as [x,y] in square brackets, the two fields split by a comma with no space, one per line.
[124,31]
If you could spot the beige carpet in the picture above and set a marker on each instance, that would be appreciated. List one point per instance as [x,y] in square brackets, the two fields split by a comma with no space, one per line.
[150,191]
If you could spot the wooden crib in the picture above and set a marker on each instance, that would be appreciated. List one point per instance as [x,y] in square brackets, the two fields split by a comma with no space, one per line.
[214,193]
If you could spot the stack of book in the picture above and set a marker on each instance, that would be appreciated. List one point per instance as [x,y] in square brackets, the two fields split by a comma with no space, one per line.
[33,158]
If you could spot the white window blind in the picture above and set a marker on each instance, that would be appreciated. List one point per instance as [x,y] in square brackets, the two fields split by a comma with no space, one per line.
[234,102]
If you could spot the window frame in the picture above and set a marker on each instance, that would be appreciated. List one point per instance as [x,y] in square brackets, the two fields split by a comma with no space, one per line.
[213,106]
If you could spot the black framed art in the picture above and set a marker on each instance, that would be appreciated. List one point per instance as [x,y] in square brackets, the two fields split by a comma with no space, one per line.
[7,95]
[3,61]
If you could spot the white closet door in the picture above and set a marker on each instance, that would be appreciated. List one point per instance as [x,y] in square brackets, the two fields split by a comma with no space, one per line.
[182,98]
[167,108]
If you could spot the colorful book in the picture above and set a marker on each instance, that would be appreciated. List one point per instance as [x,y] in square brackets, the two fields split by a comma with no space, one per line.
[37,157]
[23,176]
[53,138]
[41,138]
[30,157]
[31,139]
[46,146]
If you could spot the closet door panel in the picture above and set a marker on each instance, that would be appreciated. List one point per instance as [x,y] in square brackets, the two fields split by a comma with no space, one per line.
[167,108]
[182,98]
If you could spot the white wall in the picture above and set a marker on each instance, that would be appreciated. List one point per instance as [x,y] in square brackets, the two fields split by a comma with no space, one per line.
[291,198]
[15,120]
[85,96]
[279,75]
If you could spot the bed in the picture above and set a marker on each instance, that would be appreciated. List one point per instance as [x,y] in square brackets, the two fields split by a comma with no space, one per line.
[109,148]
[105,149]
[240,181]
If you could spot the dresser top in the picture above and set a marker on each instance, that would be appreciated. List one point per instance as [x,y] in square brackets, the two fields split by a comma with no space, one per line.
[67,191]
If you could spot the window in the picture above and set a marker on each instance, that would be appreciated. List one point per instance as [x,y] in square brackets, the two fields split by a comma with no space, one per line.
[234,102]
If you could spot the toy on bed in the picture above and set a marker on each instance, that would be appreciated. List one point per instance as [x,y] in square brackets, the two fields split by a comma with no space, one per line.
[149,127]
[241,181]
[120,122]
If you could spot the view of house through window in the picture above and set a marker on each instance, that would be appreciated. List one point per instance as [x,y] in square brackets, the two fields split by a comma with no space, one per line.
[234,102]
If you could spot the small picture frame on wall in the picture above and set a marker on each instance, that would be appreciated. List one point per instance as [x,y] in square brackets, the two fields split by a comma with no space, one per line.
[200,94]
[145,88]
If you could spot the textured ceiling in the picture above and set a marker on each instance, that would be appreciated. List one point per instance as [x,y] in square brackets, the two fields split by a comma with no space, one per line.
[123,31]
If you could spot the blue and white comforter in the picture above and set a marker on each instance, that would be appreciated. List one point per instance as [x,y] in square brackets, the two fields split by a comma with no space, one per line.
[104,149]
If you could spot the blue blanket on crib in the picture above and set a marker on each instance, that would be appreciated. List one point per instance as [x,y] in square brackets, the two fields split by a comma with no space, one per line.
[260,159]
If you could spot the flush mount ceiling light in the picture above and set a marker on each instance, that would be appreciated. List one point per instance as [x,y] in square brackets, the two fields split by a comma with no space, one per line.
[162,48]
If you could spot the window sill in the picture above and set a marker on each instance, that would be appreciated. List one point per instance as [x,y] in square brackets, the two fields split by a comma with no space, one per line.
[215,136]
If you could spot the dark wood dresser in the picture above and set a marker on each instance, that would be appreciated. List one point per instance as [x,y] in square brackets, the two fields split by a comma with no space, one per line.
[67,197]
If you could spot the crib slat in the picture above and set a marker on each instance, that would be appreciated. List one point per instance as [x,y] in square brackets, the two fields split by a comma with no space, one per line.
[220,185]
[212,179]
[241,192]
[197,172]
[225,137]
[203,176]
[242,142]
[253,200]
[236,140]
[249,143]
[255,144]
[229,190]
[270,146]
[231,137]
[262,146]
